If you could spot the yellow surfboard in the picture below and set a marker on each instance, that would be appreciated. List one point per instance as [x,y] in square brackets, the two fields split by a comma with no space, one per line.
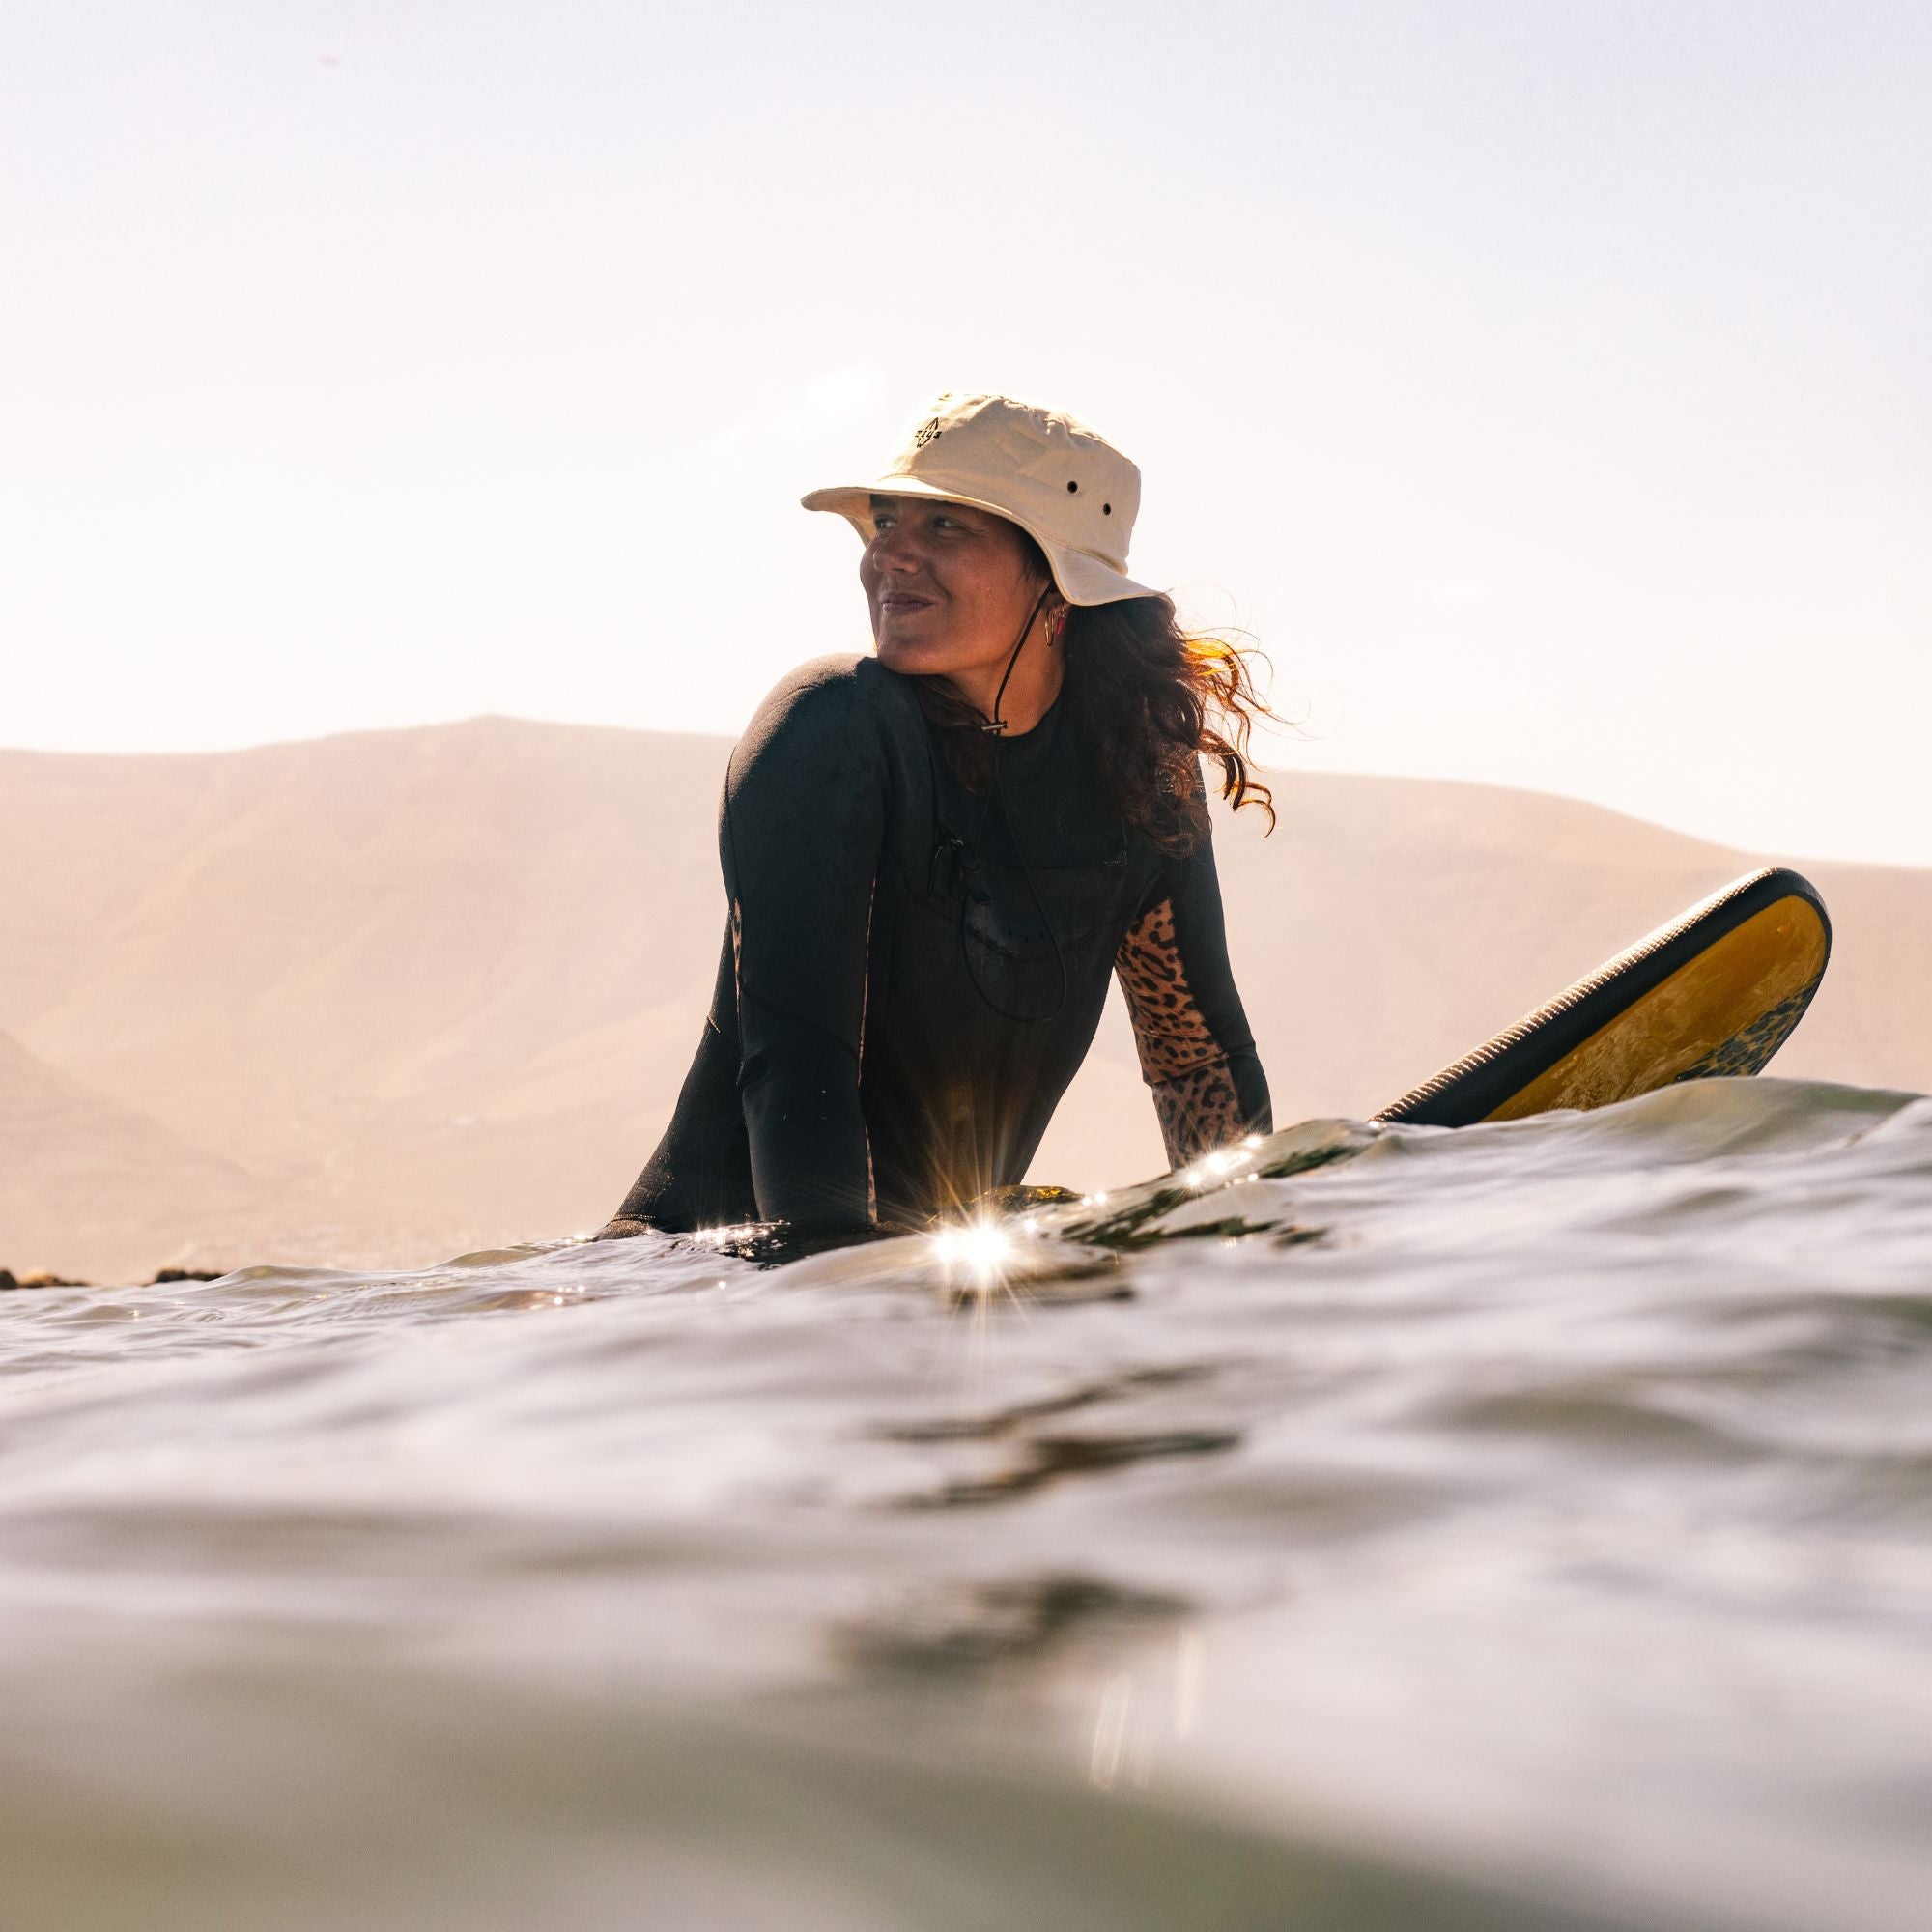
[1715,991]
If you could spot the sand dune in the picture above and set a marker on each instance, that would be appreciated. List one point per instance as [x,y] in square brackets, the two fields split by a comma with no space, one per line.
[378,998]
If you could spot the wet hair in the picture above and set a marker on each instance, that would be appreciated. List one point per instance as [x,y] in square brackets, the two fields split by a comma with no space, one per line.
[1149,699]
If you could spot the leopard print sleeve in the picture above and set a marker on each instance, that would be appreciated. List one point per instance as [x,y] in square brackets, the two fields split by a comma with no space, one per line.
[1193,1072]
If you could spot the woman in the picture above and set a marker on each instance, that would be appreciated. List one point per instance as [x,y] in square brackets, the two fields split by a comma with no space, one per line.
[934,855]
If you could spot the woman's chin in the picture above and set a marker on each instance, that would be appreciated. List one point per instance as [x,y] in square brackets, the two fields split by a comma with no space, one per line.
[911,658]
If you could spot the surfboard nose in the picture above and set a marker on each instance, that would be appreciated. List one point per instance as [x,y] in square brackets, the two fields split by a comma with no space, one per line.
[1715,991]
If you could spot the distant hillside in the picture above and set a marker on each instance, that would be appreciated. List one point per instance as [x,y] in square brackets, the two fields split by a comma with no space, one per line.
[69,1157]
[381,997]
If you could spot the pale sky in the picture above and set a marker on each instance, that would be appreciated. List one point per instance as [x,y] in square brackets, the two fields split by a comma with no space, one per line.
[1546,383]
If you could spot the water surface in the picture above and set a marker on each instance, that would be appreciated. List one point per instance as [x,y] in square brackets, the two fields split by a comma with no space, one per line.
[1529,1525]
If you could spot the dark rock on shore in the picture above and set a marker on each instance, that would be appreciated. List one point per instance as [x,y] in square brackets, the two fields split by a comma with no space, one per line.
[47,1278]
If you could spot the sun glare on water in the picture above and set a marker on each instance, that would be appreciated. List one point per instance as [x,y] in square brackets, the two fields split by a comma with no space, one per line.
[1224,1161]
[978,1263]
[980,1247]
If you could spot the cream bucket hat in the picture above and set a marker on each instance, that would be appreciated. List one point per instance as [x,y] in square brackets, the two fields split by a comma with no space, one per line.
[1063,484]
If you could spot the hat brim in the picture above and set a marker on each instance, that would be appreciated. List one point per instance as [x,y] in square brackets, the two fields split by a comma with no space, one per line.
[1080,577]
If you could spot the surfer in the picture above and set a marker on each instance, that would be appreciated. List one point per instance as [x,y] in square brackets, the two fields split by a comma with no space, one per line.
[935,855]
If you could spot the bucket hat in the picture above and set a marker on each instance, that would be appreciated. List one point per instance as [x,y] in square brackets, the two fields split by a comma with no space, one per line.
[1063,484]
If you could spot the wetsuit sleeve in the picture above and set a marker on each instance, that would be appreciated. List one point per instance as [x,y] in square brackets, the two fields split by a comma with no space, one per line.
[800,833]
[1196,1050]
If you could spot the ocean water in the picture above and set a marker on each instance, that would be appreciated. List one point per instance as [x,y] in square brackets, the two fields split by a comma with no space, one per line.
[1523,1527]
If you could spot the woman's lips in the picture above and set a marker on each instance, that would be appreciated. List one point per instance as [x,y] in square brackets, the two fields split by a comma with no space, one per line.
[902,600]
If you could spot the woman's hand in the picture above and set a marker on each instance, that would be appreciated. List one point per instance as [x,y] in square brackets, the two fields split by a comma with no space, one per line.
[621,1228]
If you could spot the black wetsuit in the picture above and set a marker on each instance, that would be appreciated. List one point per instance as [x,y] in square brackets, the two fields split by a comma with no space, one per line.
[870,1059]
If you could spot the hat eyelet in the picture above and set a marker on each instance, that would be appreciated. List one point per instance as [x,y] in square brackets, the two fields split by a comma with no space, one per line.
[1106,509]
[1071,487]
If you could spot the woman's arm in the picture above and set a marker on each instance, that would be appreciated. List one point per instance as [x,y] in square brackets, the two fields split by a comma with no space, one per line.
[799,838]
[1197,1053]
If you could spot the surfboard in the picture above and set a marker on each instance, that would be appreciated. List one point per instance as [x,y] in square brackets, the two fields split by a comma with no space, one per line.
[1716,991]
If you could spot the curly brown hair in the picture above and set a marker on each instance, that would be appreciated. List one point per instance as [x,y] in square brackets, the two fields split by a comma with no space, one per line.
[1151,700]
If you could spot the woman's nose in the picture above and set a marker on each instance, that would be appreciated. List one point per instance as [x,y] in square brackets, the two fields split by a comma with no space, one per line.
[895,549]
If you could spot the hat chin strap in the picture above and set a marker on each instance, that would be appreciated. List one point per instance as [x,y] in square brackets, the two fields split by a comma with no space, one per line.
[997,727]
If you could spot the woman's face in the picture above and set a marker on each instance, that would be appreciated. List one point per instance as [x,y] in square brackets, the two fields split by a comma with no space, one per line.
[948,587]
